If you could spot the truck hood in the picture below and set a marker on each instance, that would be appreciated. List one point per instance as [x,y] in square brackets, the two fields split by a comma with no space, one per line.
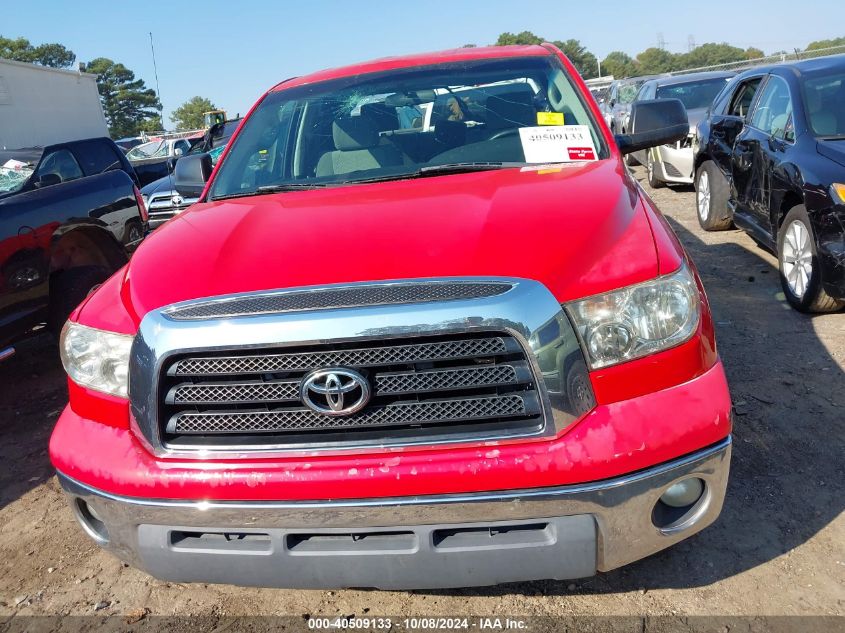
[579,228]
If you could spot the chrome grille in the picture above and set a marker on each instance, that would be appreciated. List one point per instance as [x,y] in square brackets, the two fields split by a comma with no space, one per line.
[467,348]
[425,388]
[352,296]
[391,415]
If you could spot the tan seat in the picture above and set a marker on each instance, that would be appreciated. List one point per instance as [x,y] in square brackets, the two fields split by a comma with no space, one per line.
[357,148]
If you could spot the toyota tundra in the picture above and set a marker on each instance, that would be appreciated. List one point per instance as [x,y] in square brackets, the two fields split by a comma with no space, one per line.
[422,330]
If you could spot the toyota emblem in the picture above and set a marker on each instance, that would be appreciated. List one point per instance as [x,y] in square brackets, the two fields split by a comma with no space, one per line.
[335,391]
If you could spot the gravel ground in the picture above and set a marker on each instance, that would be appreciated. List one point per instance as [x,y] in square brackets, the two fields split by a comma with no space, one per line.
[777,549]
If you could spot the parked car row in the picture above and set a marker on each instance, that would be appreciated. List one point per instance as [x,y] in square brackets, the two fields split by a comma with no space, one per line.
[162,200]
[766,152]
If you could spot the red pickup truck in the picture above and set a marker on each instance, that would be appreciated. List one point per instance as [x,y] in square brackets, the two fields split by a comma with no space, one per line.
[423,329]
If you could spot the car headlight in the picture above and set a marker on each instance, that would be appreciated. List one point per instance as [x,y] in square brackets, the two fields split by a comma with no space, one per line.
[837,192]
[96,359]
[638,320]
[146,200]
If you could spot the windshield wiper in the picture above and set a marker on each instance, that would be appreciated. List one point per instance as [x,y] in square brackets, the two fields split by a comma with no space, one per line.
[439,170]
[265,189]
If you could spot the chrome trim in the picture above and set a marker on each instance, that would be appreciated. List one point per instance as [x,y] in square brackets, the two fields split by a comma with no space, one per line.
[622,507]
[7,353]
[520,312]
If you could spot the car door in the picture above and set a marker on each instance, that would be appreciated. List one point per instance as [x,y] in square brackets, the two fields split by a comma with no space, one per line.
[758,150]
[728,120]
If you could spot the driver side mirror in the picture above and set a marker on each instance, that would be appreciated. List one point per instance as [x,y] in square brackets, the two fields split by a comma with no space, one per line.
[191,173]
[171,165]
[652,123]
[48,180]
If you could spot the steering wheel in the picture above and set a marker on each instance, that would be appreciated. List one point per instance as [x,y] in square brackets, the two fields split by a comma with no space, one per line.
[502,133]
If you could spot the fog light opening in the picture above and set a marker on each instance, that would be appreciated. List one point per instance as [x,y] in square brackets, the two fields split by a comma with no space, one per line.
[91,522]
[681,505]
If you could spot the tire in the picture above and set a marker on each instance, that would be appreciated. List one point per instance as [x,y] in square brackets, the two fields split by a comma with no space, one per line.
[579,392]
[653,181]
[133,232]
[68,288]
[711,198]
[631,161]
[800,270]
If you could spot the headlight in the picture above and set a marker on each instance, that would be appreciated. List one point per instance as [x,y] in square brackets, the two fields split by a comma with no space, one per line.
[837,191]
[638,320]
[146,200]
[96,359]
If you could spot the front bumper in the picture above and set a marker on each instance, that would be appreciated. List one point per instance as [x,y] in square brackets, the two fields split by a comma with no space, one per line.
[674,164]
[417,542]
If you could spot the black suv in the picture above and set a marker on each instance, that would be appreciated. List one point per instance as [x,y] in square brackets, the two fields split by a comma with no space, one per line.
[770,158]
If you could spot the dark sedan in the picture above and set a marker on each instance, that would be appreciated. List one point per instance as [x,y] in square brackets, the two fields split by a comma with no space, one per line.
[770,158]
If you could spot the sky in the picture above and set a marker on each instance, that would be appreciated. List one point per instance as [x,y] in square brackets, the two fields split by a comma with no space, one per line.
[232,51]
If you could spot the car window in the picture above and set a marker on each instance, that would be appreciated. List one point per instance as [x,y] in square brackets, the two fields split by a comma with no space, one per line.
[387,125]
[773,112]
[154,149]
[62,164]
[627,92]
[824,102]
[96,157]
[744,97]
[693,94]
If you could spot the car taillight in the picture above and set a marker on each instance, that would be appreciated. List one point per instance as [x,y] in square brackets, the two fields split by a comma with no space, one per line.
[142,208]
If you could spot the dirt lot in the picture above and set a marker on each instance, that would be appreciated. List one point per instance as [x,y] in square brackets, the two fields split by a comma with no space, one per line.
[778,548]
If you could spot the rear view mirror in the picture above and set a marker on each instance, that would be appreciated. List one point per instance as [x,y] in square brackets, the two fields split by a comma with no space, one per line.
[171,165]
[652,123]
[191,173]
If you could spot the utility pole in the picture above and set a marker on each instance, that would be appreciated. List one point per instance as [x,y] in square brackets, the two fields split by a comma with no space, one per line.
[661,42]
[158,92]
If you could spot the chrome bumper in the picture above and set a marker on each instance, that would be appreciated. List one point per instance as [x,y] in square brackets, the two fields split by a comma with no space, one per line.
[409,542]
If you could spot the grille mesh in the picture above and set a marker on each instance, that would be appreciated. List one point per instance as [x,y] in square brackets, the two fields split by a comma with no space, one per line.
[446,379]
[401,383]
[307,420]
[355,296]
[374,356]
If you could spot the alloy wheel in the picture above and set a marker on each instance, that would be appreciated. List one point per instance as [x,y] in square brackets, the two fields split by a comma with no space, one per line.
[703,193]
[797,258]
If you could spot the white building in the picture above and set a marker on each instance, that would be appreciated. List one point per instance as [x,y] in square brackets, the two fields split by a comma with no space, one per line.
[41,106]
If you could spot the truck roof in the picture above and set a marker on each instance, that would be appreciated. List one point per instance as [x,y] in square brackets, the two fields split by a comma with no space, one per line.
[418,59]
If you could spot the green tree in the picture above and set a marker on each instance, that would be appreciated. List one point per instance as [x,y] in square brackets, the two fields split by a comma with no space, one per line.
[812,46]
[653,61]
[127,103]
[583,60]
[21,50]
[525,38]
[753,53]
[188,116]
[710,54]
[619,64]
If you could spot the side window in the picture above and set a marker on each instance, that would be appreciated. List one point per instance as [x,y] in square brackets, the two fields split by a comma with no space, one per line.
[184,146]
[96,157]
[774,108]
[60,163]
[744,97]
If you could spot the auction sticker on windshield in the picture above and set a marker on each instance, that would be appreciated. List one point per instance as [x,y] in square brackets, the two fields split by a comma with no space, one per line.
[557,144]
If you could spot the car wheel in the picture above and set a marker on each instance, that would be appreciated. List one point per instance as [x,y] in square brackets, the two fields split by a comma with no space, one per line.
[631,161]
[134,232]
[67,290]
[800,272]
[711,198]
[579,391]
[653,181]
